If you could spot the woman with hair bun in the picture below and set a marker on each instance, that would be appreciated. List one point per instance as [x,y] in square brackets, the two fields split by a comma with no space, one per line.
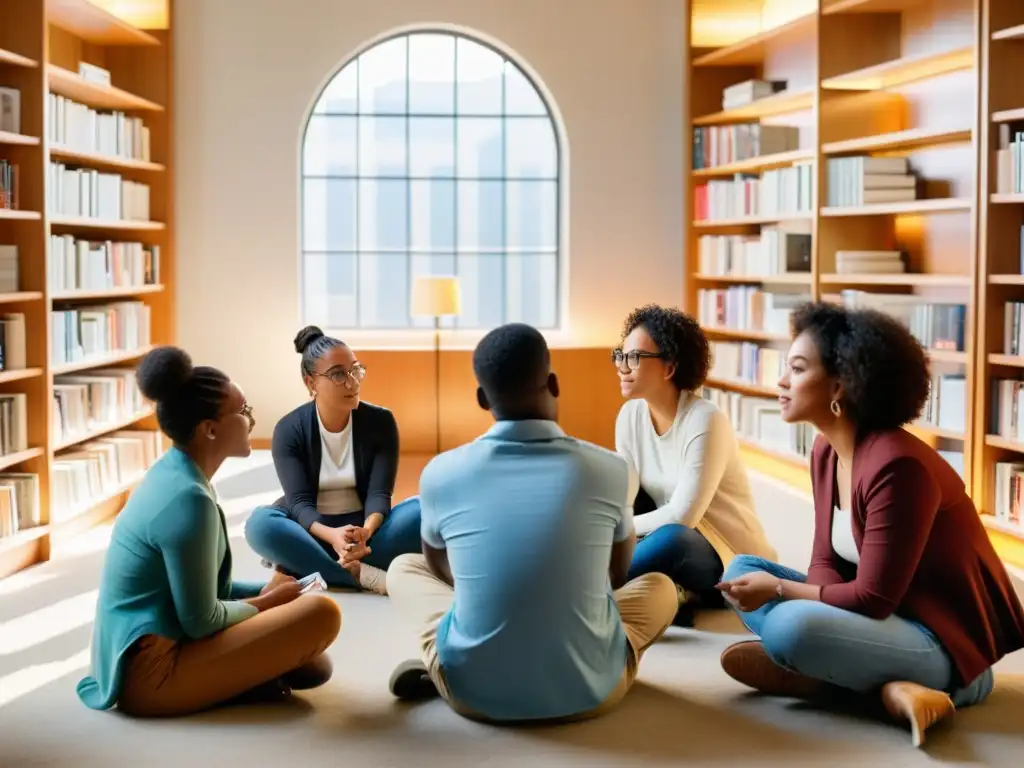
[174,633]
[337,459]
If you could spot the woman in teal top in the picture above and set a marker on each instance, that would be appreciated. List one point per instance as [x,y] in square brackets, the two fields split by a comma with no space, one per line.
[173,633]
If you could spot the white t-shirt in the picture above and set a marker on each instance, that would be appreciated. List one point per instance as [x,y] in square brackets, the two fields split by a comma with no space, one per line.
[843,542]
[337,490]
[694,475]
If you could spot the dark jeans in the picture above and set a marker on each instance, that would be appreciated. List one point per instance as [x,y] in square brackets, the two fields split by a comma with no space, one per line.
[681,553]
[276,537]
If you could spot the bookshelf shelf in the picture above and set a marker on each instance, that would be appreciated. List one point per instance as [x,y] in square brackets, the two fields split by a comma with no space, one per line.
[947,356]
[1004,443]
[1006,279]
[62,36]
[770,106]
[917,280]
[1008,116]
[70,84]
[745,334]
[1007,199]
[1010,33]
[791,279]
[990,521]
[94,24]
[745,387]
[929,430]
[1010,361]
[897,72]
[940,205]
[753,49]
[18,139]
[103,161]
[913,138]
[744,221]
[16,59]
[869,6]
[762,163]
[6,213]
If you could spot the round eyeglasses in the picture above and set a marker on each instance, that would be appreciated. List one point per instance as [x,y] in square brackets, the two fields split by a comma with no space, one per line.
[340,375]
[632,358]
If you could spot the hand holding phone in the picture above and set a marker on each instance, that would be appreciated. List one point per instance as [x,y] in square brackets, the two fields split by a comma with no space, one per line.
[312,583]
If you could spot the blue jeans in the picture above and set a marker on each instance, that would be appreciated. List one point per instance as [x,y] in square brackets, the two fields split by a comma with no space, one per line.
[683,555]
[273,535]
[849,650]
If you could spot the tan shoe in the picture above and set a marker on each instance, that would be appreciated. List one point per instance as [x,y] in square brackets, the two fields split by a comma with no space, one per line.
[750,664]
[922,707]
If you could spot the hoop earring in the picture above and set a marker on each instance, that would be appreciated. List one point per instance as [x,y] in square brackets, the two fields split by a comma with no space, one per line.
[837,410]
[312,394]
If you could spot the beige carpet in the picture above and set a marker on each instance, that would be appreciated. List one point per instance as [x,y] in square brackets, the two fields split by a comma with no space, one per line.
[684,709]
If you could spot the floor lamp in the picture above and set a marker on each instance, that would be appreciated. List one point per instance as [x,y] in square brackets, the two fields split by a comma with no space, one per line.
[436,296]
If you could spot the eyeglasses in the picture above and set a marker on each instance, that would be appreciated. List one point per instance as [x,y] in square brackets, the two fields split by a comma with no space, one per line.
[246,410]
[340,375]
[632,358]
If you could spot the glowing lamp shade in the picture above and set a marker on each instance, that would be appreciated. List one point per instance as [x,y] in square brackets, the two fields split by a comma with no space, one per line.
[436,296]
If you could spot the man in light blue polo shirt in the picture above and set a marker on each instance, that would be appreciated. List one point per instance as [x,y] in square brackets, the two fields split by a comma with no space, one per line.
[526,532]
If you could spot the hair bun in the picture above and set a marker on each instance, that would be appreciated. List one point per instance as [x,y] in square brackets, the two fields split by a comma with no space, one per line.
[307,336]
[163,372]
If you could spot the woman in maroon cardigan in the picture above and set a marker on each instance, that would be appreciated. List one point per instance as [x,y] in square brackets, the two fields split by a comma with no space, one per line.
[905,597]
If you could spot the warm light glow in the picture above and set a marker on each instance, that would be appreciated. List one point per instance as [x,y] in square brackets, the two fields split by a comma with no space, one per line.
[436,296]
[717,23]
[143,14]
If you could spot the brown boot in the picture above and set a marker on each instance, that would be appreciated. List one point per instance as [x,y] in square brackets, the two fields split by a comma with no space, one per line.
[921,707]
[748,663]
[312,674]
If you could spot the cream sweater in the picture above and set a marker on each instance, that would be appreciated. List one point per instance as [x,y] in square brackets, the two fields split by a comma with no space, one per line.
[694,475]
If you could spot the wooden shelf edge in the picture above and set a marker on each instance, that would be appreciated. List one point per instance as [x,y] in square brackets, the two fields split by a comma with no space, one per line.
[8,213]
[13,459]
[796,278]
[18,139]
[110,161]
[1010,361]
[99,362]
[751,220]
[95,24]
[16,59]
[869,6]
[81,221]
[1007,198]
[900,279]
[764,162]
[70,84]
[909,139]
[742,333]
[1008,115]
[908,69]
[743,387]
[20,374]
[94,512]
[790,470]
[779,104]
[745,51]
[1006,279]
[109,293]
[939,205]
[20,296]
[1010,33]
[102,429]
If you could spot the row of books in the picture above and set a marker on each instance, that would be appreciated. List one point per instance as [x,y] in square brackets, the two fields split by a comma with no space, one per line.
[749,91]
[1010,160]
[937,325]
[100,468]
[84,403]
[10,198]
[81,128]
[1006,416]
[13,422]
[13,352]
[747,307]
[870,262]
[1013,328]
[85,333]
[716,145]
[747,362]
[1008,496]
[946,406]
[91,194]
[10,109]
[864,180]
[759,420]
[778,192]
[87,265]
[19,502]
[777,250]
[10,272]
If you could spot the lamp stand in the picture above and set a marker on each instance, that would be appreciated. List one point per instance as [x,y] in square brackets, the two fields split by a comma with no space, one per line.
[437,384]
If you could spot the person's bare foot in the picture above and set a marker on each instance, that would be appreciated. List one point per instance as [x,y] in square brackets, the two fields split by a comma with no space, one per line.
[748,663]
[920,706]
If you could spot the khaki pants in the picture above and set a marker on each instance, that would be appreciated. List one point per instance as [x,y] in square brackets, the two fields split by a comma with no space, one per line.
[647,605]
[164,677]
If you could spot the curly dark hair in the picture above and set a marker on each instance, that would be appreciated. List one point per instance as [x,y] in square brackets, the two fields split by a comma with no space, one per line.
[679,338]
[882,367]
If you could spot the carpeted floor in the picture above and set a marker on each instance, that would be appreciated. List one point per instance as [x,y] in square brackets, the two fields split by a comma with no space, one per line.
[683,709]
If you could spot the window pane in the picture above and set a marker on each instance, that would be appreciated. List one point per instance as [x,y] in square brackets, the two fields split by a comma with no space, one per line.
[329,289]
[479,73]
[480,147]
[481,215]
[432,215]
[530,150]
[532,289]
[383,214]
[482,279]
[432,74]
[521,98]
[384,290]
[382,77]
[329,214]
[330,146]
[382,146]
[340,94]
[432,146]
[531,209]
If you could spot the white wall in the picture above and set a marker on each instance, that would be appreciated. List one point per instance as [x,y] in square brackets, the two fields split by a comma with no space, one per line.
[247,73]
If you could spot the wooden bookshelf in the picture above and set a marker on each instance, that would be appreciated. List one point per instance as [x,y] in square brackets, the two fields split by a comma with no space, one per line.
[42,43]
[925,80]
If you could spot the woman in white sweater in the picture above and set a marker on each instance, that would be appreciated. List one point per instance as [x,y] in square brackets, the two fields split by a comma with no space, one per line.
[693,509]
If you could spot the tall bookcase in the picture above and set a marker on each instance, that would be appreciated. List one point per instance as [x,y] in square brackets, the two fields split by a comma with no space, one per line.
[892,111]
[91,225]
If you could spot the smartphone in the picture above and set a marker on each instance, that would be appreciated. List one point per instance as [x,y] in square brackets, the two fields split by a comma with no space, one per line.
[313,583]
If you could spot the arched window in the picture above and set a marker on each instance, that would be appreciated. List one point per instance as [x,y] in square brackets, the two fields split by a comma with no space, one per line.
[430,153]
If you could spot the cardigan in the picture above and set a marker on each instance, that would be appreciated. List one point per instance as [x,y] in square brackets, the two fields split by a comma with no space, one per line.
[297,452]
[924,554]
[167,572]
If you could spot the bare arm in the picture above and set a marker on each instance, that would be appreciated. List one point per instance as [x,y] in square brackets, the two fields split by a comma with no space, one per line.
[622,556]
